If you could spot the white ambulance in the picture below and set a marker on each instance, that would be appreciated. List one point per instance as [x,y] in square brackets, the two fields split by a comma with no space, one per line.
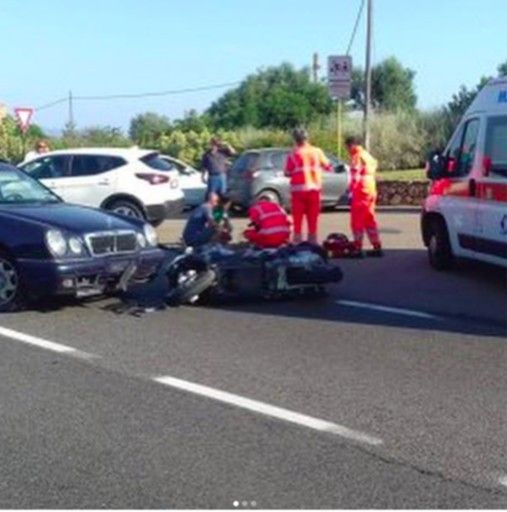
[465,213]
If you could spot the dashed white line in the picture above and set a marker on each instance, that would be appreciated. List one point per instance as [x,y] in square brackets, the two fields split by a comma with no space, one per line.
[388,309]
[42,343]
[269,410]
[503,480]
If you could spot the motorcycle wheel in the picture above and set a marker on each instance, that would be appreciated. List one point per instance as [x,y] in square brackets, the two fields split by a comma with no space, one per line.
[189,290]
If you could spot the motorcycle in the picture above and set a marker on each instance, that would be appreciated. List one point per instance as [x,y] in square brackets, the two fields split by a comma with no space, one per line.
[215,271]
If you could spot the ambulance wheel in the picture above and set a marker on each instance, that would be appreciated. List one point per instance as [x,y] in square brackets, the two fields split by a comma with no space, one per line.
[439,247]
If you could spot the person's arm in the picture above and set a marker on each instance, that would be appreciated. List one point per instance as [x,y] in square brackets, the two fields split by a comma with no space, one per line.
[324,161]
[289,166]
[227,149]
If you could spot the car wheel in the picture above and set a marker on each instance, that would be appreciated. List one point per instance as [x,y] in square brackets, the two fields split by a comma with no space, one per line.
[11,289]
[439,247]
[271,194]
[127,209]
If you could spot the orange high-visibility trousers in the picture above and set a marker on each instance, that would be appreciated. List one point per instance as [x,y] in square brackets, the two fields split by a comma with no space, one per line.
[306,204]
[362,218]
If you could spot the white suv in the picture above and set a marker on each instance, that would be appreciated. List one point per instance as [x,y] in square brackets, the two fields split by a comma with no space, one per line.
[128,181]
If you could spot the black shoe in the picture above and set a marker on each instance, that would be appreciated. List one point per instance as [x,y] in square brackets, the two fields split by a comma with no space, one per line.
[356,255]
[375,253]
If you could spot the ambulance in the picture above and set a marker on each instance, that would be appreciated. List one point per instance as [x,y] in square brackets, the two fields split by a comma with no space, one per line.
[465,213]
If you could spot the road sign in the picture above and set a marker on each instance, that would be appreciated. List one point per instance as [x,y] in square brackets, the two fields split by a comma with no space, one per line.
[339,75]
[24,115]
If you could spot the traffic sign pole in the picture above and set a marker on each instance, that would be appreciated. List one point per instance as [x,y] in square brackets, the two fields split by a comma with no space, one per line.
[339,126]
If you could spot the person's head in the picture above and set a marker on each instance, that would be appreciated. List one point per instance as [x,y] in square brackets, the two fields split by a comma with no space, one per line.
[352,142]
[41,146]
[213,199]
[300,136]
[214,143]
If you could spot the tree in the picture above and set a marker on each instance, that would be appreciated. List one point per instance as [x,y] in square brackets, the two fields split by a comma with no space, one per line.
[502,69]
[392,86]
[146,128]
[276,97]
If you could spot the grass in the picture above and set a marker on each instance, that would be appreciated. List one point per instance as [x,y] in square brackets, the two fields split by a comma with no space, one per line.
[402,175]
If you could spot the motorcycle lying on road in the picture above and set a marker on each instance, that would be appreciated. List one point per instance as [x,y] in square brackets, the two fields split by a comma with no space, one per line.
[215,271]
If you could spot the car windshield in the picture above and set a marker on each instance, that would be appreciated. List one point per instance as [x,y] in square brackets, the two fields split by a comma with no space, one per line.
[18,188]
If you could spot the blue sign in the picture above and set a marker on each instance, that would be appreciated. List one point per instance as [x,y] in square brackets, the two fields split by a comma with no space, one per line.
[502,96]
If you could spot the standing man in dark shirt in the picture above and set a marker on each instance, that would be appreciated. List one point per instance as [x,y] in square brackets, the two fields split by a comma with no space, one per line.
[214,166]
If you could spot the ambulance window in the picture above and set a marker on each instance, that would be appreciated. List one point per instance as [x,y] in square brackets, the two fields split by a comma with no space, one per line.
[468,148]
[496,145]
[455,144]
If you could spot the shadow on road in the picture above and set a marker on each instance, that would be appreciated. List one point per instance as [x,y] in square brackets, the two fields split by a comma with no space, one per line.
[471,299]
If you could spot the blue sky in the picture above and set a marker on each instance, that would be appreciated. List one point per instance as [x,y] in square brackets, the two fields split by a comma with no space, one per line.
[97,47]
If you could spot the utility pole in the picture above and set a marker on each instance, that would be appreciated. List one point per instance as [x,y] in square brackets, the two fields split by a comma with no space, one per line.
[315,67]
[367,92]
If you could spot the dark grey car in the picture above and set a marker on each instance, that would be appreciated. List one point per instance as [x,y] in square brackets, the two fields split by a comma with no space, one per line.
[261,171]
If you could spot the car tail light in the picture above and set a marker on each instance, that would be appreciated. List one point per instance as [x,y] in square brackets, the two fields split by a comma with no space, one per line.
[250,175]
[153,179]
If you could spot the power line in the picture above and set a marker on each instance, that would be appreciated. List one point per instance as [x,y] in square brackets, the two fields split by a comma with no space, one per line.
[138,95]
[356,25]
[52,104]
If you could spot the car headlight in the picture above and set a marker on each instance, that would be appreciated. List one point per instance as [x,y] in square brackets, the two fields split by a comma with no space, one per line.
[151,235]
[56,242]
[141,240]
[75,245]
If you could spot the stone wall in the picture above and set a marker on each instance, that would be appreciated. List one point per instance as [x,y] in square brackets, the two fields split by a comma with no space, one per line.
[401,193]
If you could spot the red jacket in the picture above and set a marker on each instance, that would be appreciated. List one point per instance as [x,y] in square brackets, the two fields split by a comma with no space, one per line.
[269,218]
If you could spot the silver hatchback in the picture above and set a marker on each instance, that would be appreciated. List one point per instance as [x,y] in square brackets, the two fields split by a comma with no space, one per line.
[261,172]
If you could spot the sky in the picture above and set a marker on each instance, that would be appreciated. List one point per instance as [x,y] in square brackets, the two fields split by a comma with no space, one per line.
[100,47]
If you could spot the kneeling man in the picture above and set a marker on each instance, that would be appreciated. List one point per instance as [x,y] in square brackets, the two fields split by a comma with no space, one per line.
[269,224]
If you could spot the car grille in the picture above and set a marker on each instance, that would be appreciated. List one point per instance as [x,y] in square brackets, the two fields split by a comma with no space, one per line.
[112,242]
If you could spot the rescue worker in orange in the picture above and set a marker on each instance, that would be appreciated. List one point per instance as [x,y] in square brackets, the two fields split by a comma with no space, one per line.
[363,189]
[304,167]
[269,224]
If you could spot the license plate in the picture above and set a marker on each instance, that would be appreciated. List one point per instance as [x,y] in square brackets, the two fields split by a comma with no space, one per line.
[117,267]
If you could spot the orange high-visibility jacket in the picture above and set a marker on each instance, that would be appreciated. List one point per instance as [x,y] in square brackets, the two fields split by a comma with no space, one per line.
[269,218]
[304,168]
[362,170]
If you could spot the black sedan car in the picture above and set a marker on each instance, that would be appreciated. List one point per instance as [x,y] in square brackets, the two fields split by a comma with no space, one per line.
[48,247]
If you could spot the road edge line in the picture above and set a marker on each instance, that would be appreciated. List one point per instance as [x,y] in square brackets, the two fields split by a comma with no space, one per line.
[43,343]
[268,410]
[388,309]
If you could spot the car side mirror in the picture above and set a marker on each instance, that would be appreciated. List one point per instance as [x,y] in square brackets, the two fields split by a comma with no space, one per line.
[435,165]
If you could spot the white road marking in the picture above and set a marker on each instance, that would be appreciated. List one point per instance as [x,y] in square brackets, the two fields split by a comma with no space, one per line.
[387,309]
[503,480]
[269,410]
[42,343]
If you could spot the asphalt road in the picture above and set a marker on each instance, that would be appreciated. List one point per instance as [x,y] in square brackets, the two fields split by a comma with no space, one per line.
[329,403]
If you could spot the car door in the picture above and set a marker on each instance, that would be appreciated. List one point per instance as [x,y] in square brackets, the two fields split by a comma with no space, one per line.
[51,171]
[491,241]
[334,183]
[92,179]
[459,205]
